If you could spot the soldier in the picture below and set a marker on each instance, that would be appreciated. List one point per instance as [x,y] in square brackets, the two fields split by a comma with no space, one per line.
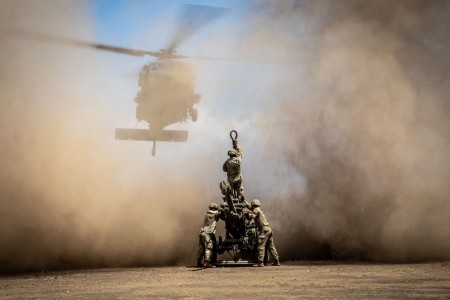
[233,168]
[207,236]
[265,237]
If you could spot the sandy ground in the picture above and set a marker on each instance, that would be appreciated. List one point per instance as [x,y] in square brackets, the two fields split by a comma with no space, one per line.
[291,280]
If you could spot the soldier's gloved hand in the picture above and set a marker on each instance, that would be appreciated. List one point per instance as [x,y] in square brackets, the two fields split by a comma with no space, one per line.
[245,210]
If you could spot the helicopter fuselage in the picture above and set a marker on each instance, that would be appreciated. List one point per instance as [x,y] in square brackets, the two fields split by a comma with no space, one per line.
[166,93]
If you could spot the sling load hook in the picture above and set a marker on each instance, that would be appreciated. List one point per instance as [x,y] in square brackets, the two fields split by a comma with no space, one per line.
[235,135]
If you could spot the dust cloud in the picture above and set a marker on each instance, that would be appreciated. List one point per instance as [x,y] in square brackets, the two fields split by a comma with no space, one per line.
[70,197]
[361,117]
[346,140]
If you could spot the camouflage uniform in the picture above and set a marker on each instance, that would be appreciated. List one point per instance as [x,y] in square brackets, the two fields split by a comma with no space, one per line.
[233,168]
[207,234]
[265,237]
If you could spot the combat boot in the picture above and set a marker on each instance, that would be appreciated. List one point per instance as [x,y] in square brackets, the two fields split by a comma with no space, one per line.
[208,265]
[276,262]
[259,264]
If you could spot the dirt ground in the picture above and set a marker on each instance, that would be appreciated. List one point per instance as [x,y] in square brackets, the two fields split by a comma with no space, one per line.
[291,280]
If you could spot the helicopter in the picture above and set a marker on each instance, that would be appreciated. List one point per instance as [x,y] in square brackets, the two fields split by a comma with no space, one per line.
[166,96]
[166,92]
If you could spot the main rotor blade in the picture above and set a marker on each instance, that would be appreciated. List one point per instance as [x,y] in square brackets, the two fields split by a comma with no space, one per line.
[193,18]
[249,60]
[79,43]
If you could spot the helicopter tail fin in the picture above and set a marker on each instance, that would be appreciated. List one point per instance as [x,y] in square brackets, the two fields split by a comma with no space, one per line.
[151,135]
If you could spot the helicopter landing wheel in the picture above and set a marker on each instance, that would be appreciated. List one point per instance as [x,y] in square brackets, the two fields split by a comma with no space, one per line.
[154,148]
[194,114]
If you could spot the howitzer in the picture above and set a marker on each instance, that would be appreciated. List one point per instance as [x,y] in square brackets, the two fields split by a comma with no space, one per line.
[240,245]
[241,237]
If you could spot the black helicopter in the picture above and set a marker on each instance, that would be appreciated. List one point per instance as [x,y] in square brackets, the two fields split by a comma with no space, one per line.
[166,85]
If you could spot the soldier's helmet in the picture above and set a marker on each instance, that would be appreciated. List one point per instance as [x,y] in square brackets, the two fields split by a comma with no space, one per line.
[232,153]
[214,206]
[255,203]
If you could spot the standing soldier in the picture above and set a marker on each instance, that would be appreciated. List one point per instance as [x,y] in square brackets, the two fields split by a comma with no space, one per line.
[207,236]
[233,168]
[265,237]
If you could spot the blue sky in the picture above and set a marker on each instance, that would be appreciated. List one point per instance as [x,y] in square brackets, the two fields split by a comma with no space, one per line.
[121,19]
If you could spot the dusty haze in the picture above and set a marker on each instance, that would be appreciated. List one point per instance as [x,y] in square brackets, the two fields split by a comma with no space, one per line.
[365,120]
[346,140]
